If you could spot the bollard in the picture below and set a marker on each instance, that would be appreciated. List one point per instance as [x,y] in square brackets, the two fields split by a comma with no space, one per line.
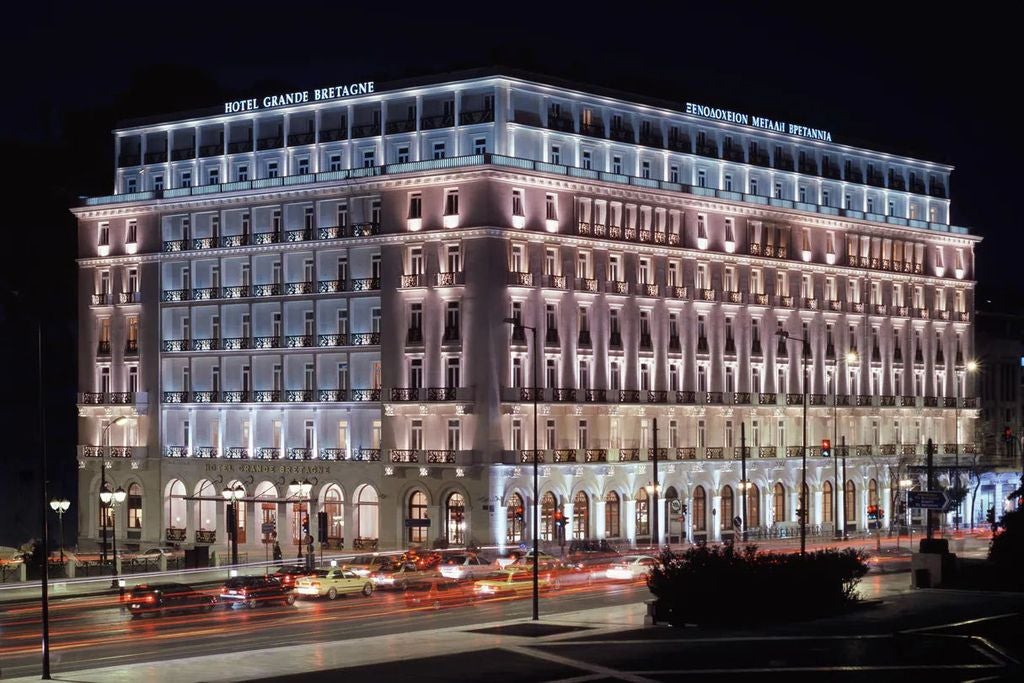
[69,568]
[161,562]
[22,572]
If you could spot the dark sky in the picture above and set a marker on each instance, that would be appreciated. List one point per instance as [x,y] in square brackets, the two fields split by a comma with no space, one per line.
[934,84]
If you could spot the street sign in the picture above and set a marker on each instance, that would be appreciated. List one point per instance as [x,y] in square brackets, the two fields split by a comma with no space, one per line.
[268,528]
[413,523]
[928,500]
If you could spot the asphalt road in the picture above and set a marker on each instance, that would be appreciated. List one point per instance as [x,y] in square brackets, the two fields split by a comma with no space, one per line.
[95,632]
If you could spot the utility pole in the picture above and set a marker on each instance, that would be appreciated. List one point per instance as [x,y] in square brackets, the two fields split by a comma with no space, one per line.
[843,521]
[930,449]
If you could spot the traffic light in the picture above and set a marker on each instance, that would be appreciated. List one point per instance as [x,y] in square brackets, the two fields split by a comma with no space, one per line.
[519,513]
[684,508]
[305,525]
[321,526]
[872,512]
[826,448]
[1007,433]
[990,516]
[559,518]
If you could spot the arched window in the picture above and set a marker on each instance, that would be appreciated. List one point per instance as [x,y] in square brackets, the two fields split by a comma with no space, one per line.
[455,519]
[366,512]
[176,504]
[726,520]
[753,506]
[547,516]
[267,511]
[826,503]
[850,502]
[779,502]
[700,509]
[643,518]
[514,519]
[206,507]
[242,505]
[334,506]
[580,516]
[611,515]
[872,492]
[134,506]
[417,515]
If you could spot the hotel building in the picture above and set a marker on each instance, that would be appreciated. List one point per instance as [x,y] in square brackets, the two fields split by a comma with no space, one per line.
[312,287]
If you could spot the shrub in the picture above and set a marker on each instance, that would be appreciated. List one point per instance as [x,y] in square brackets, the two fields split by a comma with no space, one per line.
[1006,552]
[726,585]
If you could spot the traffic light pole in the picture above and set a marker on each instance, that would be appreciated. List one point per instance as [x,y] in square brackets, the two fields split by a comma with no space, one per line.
[743,476]
[931,482]
[655,537]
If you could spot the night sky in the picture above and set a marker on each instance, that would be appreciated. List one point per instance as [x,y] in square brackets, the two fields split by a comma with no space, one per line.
[935,86]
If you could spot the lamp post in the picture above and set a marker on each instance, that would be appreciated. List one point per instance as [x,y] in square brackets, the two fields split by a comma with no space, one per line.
[232,496]
[60,506]
[803,451]
[971,367]
[515,322]
[905,484]
[301,491]
[113,499]
[839,491]
[105,441]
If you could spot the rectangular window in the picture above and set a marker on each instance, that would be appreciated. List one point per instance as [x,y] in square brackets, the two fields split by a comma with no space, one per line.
[334,162]
[369,158]
[480,146]
[517,203]
[585,159]
[272,169]
[439,150]
[451,203]
[673,174]
[645,169]
[453,373]
[556,154]
[186,179]
[617,164]
[551,207]
[454,435]
[415,205]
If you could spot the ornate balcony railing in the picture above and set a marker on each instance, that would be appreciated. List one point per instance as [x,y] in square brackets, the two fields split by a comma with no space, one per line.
[531,456]
[794,399]
[329,340]
[205,452]
[441,457]
[714,397]
[236,292]
[629,396]
[367,454]
[121,397]
[332,395]
[595,455]
[235,343]
[176,452]
[863,399]
[816,399]
[451,279]
[714,453]
[205,396]
[657,396]
[299,395]
[887,401]
[364,339]
[267,289]
[595,395]
[170,345]
[298,341]
[468,118]
[336,454]
[677,292]
[970,402]
[236,396]
[366,395]
[236,453]
[585,284]
[300,287]
[555,281]
[204,344]
[413,280]
[767,398]
[908,449]
[331,286]
[741,397]
[563,455]
[842,400]
[629,454]
[517,279]
[766,452]
[864,450]
[563,395]
[300,454]
[662,453]
[908,401]
[948,402]
[686,453]
[931,401]
[531,393]
[176,396]
[267,395]
[405,394]
[266,342]
[267,453]
[794,451]
[686,397]
[92,398]
[126,452]
[441,393]
[365,284]
[887,449]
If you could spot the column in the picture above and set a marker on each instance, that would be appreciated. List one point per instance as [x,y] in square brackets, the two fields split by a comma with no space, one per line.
[567,532]
[818,515]
[457,108]
[661,512]
[598,518]
[630,527]
[499,527]
[715,524]
[862,513]
[351,530]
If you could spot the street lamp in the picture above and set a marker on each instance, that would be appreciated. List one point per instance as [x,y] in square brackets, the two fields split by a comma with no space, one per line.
[803,451]
[905,485]
[301,491]
[515,322]
[113,499]
[60,506]
[851,358]
[232,496]
[104,447]
[971,367]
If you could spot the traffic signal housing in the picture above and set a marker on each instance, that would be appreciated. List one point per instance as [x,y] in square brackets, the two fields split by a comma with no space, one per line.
[321,526]
[305,525]
[826,448]
[990,516]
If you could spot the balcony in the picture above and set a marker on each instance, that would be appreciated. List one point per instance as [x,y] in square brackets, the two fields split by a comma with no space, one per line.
[674,345]
[236,396]
[205,396]
[205,452]
[551,336]
[531,456]
[333,454]
[732,153]
[299,395]
[332,395]
[563,395]
[405,394]
[155,157]
[741,398]
[442,394]
[300,454]
[767,399]
[766,452]
[686,397]
[679,143]
[441,457]
[414,337]
[439,121]
[236,453]
[400,126]
[677,292]
[366,395]
[334,134]
[531,394]
[451,279]
[707,149]
[267,396]
[595,455]
[562,123]
[517,279]
[365,284]
[182,154]
[555,281]
[660,453]
[298,341]
[240,147]
[617,287]
[864,450]
[267,342]
[714,397]
[629,454]
[267,453]
[367,455]
[794,399]
[176,452]
[595,396]
[269,143]
[364,339]
[686,453]
[414,280]
[563,455]
[816,399]
[646,344]
[594,129]
[794,451]
[864,400]
[708,294]
[474,116]
[714,453]
[887,401]
[657,396]
[651,138]
[629,396]
[452,335]
[177,397]
[300,139]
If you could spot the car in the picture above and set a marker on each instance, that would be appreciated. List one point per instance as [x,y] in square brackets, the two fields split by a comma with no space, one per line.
[251,591]
[423,559]
[289,574]
[331,583]
[400,575]
[161,598]
[546,561]
[465,566]
[592,554]
[364,565]
[631,568]
[155,553]
[511,583]
[438,592]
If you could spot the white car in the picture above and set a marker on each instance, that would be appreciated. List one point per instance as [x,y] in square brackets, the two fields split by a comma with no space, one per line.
[631,568]
[465,566]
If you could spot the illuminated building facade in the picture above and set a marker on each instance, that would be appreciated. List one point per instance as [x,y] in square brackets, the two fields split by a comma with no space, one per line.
[316,290]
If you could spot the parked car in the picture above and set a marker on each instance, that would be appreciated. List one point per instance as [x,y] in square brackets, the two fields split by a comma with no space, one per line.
[511,583]
[465,566]
[331,583]
[162,551]
[400,575]
[364,565]
[631,568]
[251,591]
[439,592]
[161,598]
[289,574]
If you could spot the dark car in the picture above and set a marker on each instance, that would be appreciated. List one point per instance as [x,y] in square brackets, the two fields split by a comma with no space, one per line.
[161,598]
[592,554]
[439,592]
[251,591]
[289,574]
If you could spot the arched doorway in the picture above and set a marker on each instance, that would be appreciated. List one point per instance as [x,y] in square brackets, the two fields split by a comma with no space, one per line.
[266,511]
[612,507]
[727,522]
[548,503]
[134,511]
[205,509]
[334,505]
[514,519]
[672,516]
[580,516]
[455,519]
[753,506]
[700,510]
[827,511]
[367,519]
[417,517]
[779,502]
[873,492]
[643,516]
[850,504]
[242,506]
[176,516]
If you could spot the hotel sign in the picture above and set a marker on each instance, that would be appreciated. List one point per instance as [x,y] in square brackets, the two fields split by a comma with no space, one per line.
[261,468]
[334,92]
[729,116]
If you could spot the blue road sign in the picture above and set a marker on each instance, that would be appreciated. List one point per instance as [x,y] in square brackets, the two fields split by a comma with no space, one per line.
[928,500]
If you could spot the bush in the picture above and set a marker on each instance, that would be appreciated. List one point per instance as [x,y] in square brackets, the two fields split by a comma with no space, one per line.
[725,585]
[1006,552]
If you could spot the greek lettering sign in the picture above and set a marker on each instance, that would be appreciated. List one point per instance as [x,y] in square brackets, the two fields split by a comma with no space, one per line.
[928,500]
[718,114]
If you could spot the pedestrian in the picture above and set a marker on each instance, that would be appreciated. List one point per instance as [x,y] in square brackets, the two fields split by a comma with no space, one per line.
[277,551]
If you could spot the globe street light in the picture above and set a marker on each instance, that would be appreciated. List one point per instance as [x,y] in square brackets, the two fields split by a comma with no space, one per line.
[517,324]
[301,491]
[104,447]
[232,496]
[60,506]
[113,499]
[803,451]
